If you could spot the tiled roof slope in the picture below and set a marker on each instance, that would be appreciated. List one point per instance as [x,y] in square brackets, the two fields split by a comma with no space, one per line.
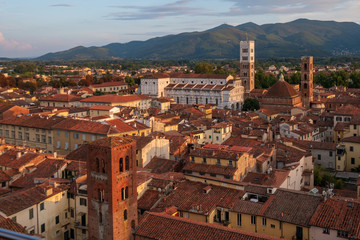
[292,207]
[340,215]
[190,194]
[20,200]
[115,98]
[11,225]
[86,126]
[61,98]
[35,121]
[165,227]
[281,89]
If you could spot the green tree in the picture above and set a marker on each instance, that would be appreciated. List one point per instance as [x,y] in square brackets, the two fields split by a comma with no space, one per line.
[251,104]
[263,80]
[204,68]
[323,178]
[355,80]
[295,78]
[130,81]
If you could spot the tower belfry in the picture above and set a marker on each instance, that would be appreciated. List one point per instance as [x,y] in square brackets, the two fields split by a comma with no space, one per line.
[112,188]
[247,65]
[307,81]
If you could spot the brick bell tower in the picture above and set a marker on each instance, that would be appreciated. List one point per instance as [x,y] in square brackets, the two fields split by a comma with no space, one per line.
[112,188]
[307,81]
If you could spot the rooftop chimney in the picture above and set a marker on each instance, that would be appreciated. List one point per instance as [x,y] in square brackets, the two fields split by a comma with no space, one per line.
[18,155]
[55,154]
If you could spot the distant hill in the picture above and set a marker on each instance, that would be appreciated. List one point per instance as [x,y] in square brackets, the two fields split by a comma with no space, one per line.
[293,39]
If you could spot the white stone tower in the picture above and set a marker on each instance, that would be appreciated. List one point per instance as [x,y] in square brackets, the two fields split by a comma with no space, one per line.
[247,65]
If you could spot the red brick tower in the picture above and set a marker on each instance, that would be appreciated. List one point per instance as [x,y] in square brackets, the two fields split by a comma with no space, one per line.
[307,81]
[112,188]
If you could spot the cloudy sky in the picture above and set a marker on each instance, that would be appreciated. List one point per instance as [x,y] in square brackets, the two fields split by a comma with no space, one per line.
[30,28]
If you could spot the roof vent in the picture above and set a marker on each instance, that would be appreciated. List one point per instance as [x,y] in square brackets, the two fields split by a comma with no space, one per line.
[206,189]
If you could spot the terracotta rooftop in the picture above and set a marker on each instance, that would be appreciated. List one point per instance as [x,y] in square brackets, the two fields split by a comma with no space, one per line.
[109,84]
[339,215]
[79,154]
[148,200]
[275,179]
[61,98]
[111,142]
[33,121]
[120,125]
[115,98]
[281,89]
[292,207]
[101,108]
[20,200]
[162,165]
[10,160]
[215,153]
[85,126]
[9,224]
[156,75]
[354,139]
[211,169]
[165,227]
[190,197]
[199,76]
[46,169]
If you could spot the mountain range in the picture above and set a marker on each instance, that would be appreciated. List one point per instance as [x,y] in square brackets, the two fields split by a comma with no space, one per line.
[293,39]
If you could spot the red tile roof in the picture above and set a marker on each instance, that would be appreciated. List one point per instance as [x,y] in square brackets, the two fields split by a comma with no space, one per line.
[211,169]
[9,224]
[292,207]
[215,153]
[46,169]
[162,226]
[85,126]
[281,89]
[61,98]
[189,195]
[339,215]
[100,107]
[203,76]
[9,159]
[115,98]
[162,165]
[148,199]
[33,121]
[20,200]
[120,125]
[109,84]
[354,139]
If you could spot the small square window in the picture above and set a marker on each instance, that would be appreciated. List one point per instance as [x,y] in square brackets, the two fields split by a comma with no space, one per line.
[42,206]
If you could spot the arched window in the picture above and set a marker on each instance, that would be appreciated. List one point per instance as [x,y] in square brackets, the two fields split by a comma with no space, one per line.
[125,214]
[101,195]
[103,166]
[97,165]
[305,77]
[121,165]
[123,194]
[305,85]
[126,192]
[127,162]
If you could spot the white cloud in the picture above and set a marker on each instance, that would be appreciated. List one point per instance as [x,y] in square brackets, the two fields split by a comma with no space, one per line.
[12,45]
